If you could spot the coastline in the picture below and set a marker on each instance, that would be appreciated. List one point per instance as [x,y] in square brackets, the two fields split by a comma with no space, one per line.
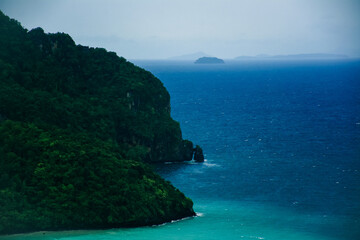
[80,231]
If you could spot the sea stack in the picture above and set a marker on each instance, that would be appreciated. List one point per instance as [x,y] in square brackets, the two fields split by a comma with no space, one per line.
[198,154]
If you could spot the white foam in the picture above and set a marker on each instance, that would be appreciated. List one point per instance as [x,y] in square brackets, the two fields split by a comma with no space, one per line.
[199,214]
[185,218]
[211,165]
[256,237]
[173,221]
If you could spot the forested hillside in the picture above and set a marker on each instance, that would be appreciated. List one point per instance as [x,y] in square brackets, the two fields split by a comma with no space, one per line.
[76,126]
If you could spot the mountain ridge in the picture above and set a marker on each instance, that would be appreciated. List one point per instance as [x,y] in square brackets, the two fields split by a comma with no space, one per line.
[190,57]
[295,56]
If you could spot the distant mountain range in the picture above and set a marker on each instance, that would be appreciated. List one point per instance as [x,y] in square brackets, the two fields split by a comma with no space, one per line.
[294,56]
[304,56]
[191,56]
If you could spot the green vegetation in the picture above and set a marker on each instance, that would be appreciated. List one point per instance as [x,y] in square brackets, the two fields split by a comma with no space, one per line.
[76,126]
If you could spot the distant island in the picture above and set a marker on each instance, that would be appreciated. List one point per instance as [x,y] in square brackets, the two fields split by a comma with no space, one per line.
[209,60]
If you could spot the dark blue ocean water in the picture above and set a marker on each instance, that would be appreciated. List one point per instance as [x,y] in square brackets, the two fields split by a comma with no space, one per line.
[282,146]
[283,134]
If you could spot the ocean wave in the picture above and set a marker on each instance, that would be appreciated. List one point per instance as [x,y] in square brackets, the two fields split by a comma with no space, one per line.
[211,164]
[173,221]
[256,237]
[199,214]
[208,164]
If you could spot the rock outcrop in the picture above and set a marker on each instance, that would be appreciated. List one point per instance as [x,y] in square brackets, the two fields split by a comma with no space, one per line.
[198,154]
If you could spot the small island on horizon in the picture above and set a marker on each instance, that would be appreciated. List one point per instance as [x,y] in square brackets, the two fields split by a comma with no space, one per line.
[209,60]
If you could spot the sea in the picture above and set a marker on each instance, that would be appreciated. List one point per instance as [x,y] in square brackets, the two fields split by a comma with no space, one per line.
[282,147]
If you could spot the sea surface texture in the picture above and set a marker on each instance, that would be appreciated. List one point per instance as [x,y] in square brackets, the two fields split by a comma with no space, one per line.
[282,148]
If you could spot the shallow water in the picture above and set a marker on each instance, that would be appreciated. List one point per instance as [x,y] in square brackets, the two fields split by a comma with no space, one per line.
[220,220]
[282,143]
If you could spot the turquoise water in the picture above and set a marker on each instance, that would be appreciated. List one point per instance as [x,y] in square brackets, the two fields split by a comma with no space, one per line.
[219,220]
[282,146]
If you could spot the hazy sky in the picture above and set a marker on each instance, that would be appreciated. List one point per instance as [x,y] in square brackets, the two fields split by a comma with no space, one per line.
[143,29]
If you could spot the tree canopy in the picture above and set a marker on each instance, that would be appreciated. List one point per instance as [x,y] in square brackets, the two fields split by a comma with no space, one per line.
[76,126]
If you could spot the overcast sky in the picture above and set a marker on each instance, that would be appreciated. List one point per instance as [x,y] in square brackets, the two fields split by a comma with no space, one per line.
[145,29]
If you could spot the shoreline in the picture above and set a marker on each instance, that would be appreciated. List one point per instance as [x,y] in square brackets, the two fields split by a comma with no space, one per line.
[44,232]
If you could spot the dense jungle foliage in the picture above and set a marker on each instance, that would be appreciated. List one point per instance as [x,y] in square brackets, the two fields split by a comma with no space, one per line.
[76,126]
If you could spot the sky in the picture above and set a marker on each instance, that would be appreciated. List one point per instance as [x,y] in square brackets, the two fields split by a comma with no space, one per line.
[158,29]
